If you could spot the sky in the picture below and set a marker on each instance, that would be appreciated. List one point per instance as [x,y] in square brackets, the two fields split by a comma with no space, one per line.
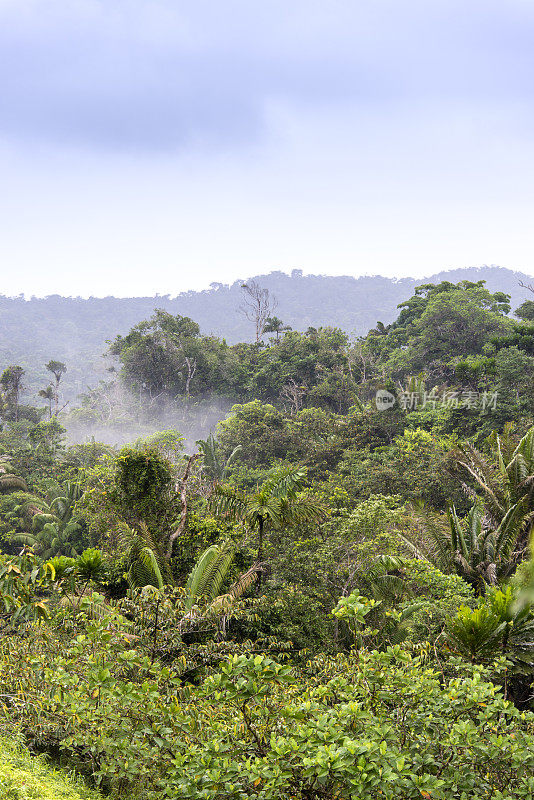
[157,146]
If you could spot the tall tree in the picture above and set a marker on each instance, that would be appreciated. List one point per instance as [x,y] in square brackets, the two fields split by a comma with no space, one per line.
[275,325]
[48,394]
[277,503]
[57,368]
[257,306]
[11,382]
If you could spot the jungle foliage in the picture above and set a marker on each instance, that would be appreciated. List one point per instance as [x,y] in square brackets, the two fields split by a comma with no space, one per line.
[328,596]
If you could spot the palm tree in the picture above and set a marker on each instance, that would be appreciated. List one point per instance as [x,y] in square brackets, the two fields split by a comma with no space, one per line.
[476,550]
[51,527]
[487,546]
[275,325]
[52,540]
[206,579]
[57,506]
[278,502]
[499,626]
[216,468]
[48,395]
[505,476]
[57,368]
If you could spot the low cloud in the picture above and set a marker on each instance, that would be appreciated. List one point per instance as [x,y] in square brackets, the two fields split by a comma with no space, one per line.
[164,75]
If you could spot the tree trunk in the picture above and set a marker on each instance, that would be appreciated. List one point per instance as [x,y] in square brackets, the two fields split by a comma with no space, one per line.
[260,548]
[183,500]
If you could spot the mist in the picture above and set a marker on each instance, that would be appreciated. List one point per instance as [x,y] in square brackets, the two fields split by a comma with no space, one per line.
[114,416]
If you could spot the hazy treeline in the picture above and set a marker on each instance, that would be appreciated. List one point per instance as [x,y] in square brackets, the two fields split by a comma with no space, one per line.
[75,330]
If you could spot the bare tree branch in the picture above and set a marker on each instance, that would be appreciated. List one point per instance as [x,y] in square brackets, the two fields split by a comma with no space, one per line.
[257,306]
[183,499]
[527,286]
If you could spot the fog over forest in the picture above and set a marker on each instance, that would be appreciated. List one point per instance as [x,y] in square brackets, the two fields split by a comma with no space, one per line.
[77,330]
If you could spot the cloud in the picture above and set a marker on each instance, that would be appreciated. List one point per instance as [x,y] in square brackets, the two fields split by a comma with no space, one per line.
[162,75]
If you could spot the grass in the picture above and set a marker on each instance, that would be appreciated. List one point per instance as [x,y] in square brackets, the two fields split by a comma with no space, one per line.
[27,777]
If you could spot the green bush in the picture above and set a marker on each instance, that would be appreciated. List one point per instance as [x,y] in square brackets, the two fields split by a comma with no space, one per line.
[367,726]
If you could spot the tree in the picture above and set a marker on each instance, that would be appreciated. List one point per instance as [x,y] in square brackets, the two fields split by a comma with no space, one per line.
[179,528]
[278,502]
[275,325]
[167,355]
[257,306]
[11,382]
[48,394]
[293,394]
[525,311]
[480,553]
[367,725]
[57,368]
[145,487]
[442,321]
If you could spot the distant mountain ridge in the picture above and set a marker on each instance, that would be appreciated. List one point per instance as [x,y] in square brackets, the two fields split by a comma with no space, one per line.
[75,330]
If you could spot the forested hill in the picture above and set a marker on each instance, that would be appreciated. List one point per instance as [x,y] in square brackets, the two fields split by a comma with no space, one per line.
[75,330]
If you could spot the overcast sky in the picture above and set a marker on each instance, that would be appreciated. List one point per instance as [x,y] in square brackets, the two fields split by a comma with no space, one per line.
[157,145]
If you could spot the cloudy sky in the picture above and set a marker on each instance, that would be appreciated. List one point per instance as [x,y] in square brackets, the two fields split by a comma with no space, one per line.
[158,145]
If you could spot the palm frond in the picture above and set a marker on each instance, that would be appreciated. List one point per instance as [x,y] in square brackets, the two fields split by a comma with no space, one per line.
[144,554]
[12,483]
[457,535]
[509,530]
[226,501]
[224,602]
[231,458]
[474,526]
[526,449]
[208,574]
[436,544]
[285,482]
[147,568]
[480,470]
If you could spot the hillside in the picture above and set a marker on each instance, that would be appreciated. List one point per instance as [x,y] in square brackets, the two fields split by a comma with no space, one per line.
[75,330]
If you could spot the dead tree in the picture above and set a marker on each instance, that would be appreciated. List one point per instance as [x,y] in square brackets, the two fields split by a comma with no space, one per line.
[183,500]
[293,394]
[257,306]
[191,364]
